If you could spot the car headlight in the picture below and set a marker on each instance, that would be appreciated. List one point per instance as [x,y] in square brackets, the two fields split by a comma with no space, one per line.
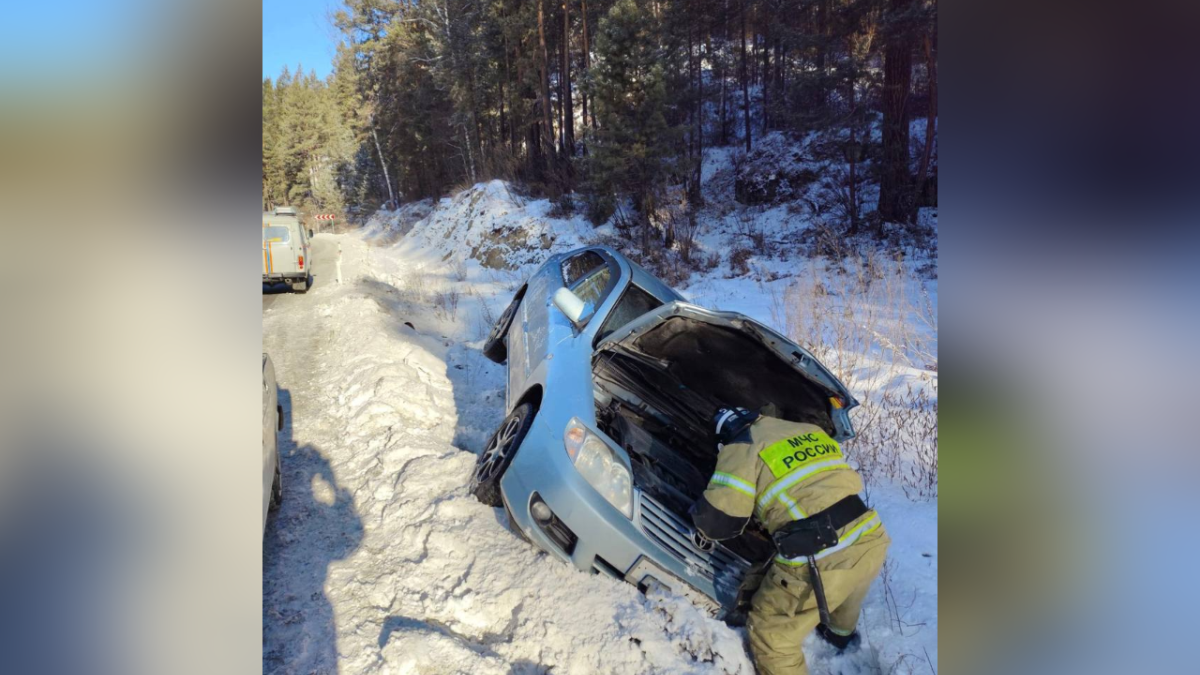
[599,466]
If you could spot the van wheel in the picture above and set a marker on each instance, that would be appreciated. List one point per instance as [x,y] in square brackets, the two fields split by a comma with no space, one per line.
[494,348]
[498,455]
[302,286]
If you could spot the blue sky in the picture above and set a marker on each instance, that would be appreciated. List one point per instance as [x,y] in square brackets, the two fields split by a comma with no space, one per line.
[298,32]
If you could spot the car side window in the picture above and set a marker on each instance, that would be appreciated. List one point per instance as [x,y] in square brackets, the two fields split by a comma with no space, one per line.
[579,265]
[633,303]
[594,287]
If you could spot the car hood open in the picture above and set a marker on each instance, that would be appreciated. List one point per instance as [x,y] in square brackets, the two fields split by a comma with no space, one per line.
[734,360]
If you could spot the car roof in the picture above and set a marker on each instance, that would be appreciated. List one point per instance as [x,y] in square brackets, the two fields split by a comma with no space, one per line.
[283,221]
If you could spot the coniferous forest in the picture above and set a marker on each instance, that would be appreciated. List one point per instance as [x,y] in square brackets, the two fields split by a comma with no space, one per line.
[606,105]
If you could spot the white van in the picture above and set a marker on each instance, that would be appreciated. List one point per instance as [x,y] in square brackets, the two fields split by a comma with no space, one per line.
[285,249]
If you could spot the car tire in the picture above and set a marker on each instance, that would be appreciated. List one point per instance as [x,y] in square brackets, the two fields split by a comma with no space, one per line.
[498,454]
[277,487]
[302,286]
[494,348]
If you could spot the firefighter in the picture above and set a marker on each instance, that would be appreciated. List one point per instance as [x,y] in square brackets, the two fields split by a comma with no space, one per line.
[794,479]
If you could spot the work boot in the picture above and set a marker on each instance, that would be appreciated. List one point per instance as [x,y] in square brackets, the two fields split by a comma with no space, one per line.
[842,643]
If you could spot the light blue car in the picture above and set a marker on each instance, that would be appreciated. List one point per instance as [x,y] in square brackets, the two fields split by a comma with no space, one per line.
[612,382]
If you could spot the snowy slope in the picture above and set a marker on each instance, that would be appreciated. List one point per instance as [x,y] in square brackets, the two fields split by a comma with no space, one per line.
[379,561]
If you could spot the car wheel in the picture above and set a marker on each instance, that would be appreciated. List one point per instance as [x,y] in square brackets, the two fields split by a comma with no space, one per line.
[498,455]
[494,348]
[277,487]
[302,286]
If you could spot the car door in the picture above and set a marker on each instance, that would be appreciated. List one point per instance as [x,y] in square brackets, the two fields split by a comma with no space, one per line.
[279,250]
[304,252]
[589,273]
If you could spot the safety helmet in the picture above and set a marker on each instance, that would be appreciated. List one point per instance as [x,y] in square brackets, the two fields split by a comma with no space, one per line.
[731,422]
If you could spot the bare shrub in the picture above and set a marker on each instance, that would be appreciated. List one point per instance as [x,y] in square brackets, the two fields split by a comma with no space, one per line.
[749,225]
[413,285]
[843,198]
[871,321]
[667,265]
[685,226]
[898,441]
[564,206]
[898,608]
[763,275]
[445,302]
[675,217]
[670,265]
[739,262]
[825,240]
[487,317]
[422,289]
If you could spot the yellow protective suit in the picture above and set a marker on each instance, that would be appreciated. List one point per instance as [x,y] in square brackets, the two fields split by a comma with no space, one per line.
[779,471]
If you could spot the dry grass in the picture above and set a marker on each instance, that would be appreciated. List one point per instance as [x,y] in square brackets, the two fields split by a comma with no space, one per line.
[749,225]
[445,303]
[870,320]
[430,290]
[908,663]
[739,262]
[487,317]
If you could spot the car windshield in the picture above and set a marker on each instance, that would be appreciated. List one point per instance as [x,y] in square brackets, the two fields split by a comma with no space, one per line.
[633,303]
[276,233]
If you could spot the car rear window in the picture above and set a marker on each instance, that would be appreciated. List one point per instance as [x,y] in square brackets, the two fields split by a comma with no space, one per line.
[634,302]
[277,233]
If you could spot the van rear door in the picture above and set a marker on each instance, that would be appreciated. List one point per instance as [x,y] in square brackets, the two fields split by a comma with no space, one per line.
[279,251]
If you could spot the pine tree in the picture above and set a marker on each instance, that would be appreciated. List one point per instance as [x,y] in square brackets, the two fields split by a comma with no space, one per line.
[631,150]
[895,181]
[269,134]
[429,96]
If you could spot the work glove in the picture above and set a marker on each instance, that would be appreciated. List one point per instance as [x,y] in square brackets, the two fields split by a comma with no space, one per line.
[842,643]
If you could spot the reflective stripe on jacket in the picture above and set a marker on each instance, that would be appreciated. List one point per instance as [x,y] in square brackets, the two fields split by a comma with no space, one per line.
[778,471]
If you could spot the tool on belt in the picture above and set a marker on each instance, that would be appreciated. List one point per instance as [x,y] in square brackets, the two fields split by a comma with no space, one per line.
[809,536]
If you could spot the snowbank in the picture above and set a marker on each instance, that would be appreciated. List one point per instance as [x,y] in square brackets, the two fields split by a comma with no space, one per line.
[497,227]
[379,561]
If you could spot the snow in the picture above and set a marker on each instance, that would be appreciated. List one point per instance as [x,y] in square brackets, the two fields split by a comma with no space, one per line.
[379,561]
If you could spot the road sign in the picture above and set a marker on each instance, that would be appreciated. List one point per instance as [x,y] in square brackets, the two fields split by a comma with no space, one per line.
[325,216]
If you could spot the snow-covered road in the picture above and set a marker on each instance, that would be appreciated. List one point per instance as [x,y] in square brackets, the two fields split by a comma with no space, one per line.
[324,257]
[378,560]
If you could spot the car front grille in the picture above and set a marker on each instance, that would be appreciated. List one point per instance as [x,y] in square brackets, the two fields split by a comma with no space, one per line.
[675,537]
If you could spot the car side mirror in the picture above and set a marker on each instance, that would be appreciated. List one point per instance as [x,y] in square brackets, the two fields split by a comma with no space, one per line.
[572,307]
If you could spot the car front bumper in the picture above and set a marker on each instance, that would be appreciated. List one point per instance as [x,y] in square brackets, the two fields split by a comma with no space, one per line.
[654,548]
